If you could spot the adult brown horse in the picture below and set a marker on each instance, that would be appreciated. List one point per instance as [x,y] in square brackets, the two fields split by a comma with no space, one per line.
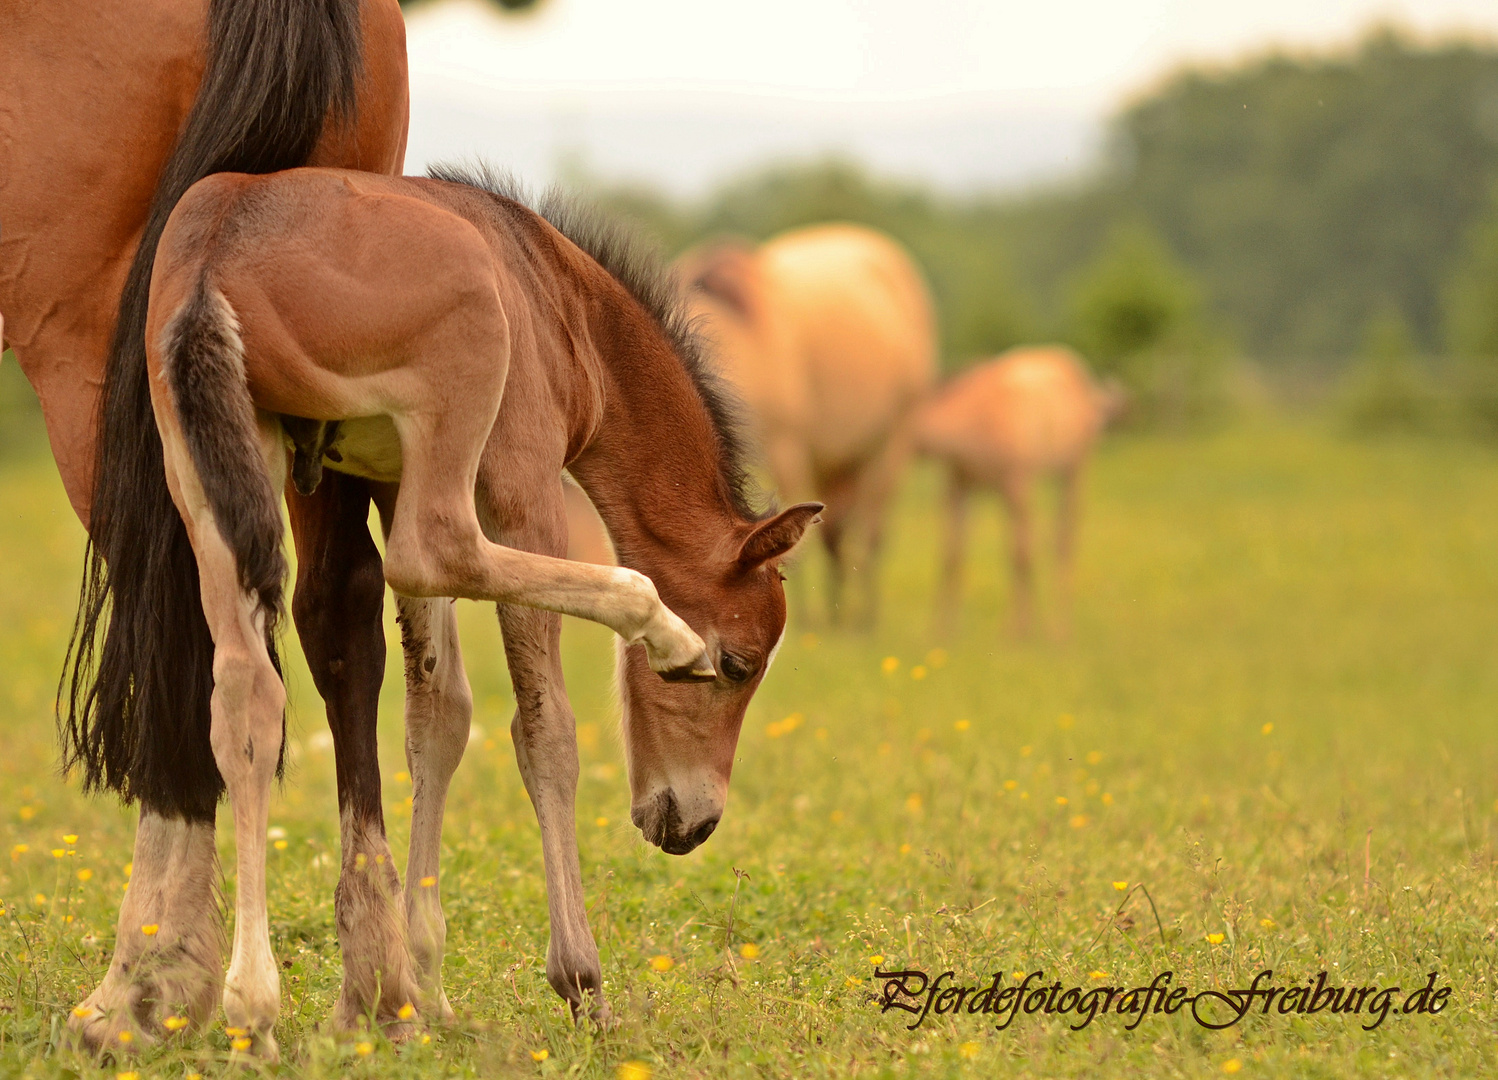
[442,340]
[108,112]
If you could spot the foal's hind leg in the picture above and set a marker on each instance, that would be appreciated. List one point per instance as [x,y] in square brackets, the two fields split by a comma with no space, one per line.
[248,706]
[436,548]
[340,595]
[439,708]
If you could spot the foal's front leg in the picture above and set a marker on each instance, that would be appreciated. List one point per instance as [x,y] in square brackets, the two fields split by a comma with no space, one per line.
[545,736]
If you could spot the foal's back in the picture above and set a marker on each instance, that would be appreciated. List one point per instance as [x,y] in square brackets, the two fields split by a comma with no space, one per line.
[348,286]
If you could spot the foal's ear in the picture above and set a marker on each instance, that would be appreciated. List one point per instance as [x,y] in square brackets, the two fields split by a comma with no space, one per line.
[776,536]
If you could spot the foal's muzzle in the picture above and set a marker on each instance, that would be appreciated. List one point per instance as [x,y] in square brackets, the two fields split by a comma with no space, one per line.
[660,822]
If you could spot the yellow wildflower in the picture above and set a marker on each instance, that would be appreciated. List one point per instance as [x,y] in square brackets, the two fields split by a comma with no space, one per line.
[1079,821]
[85,874]
[1061,800]
[889,665]
[913,802]
[279,845]
[918,672]
[633,1070]
[70,839]
[877,959]
[406,1011]
[541,1054]
[83,1012]
[58,853]
[904,849]
[962,725]
[174,1023]
[661,963]
[969,1049]
[1120,885]
[1231,1065]
[1215,939]
[127,1076]
[428,881]
[750,951]
[125,1037]
[1097,974]
[601,821]
[1094,756]
[363,1049]
[149,929]
[1265,730]
[1107,799]
[1267,923]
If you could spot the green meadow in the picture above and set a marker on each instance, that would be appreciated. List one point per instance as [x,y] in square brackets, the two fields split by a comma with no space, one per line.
[1267,742]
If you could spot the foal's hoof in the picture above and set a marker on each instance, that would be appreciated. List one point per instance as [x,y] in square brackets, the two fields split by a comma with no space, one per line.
[699,670]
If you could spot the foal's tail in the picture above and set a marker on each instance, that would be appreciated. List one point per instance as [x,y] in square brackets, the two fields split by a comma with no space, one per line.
[133,705]
[203,358]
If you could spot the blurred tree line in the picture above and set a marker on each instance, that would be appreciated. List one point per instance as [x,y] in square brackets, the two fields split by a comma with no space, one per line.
[1291,209]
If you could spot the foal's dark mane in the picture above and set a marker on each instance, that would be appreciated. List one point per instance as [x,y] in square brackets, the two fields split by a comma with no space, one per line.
[635,264]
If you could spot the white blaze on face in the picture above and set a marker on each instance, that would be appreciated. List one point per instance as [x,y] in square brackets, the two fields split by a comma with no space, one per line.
[773,652]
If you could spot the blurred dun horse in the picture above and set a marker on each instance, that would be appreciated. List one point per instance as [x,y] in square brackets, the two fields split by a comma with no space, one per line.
[109,111]
[828,334]
[458,350]
[1029,414]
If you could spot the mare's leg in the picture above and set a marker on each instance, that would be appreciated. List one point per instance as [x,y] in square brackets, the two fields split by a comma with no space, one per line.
[339,600]
[169,939]
[1068,511]
[1017,490]
[248,704]
[439,708]
[949,595]
[837,493]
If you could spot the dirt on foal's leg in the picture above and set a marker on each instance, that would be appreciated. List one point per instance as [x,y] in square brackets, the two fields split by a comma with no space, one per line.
[439,711]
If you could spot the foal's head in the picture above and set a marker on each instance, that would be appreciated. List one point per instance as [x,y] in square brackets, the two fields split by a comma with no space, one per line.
[680,737]
[666,470]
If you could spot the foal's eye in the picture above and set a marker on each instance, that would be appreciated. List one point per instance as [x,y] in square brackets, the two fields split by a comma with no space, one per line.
[734,669]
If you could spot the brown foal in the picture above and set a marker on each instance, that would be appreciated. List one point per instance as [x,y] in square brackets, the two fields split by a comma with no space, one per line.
[458,350]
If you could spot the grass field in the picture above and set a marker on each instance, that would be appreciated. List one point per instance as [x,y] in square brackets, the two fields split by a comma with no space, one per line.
[1276,711]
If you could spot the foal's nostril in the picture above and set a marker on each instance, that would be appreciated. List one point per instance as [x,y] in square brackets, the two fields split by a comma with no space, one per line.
[703,831]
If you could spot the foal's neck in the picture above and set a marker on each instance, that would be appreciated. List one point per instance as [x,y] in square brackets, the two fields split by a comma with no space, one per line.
[653,466]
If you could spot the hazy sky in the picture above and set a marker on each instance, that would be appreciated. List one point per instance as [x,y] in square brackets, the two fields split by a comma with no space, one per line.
[962,92]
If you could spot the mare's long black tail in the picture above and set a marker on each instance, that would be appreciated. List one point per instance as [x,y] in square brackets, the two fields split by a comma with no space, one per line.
[133,705]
